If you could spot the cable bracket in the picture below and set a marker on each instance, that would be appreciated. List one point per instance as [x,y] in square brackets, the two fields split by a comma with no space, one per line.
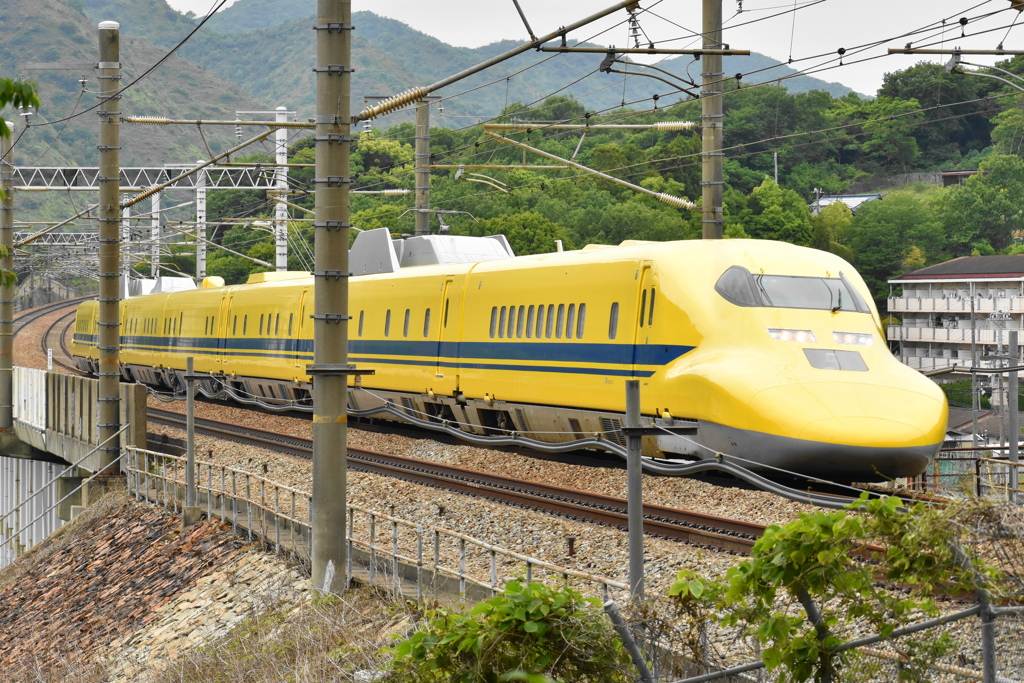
[105,148]
[332,225]
[333,180]
[335,27]
[333,69]
[336,370]
[333,138]
[330,317]
[336,274]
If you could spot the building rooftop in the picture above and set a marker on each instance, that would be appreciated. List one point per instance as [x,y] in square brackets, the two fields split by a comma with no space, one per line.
[854,201]
[967,267]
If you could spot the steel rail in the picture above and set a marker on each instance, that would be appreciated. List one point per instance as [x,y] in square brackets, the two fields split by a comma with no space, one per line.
[708,531]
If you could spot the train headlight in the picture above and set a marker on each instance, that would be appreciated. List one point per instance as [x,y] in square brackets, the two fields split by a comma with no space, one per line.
[802,336]
[853,338]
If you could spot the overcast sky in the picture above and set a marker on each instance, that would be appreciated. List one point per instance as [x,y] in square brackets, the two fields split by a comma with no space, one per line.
[820,27]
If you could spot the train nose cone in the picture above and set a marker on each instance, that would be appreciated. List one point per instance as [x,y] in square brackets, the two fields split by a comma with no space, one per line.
[890,430]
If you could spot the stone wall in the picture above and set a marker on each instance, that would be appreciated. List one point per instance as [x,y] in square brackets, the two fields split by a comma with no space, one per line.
[125,588]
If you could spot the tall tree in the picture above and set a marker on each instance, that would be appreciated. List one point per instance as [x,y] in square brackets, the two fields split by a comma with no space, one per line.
[778,214]
[987,206]
[883,233]
[951,131]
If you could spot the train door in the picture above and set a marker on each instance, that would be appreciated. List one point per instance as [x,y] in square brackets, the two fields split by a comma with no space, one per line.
[302,347]
[645,307]
[223,330]
[449,329]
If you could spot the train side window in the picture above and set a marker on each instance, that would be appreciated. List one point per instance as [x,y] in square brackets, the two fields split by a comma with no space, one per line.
[291,316]
[561,321]
[511,321]
[261,325]
[570,321]
[405,326]
[206,326]
[387,323]
[643,306]
[234,326]
[445,321]
[581,319]
[529,322]
[520,321]
[426,323]
[650,313]
[549,327]
[245,323]
[494,321]
[501,322]
[613,321]
[362,318]
[539,332]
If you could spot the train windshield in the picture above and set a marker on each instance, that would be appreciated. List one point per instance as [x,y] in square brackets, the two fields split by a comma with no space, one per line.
[742,288]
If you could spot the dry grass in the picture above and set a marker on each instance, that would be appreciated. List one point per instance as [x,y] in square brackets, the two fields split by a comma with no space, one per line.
[329,638]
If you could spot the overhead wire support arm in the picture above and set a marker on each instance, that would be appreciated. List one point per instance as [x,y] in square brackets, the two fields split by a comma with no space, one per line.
[678,202]
[160,121]
[522,16]
[648,51]
[534,126]
[934,51]
[956,61]
[409,96]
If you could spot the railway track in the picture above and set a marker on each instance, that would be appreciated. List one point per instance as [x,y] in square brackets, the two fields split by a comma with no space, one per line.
[33,314]
[55,337]
[706,531]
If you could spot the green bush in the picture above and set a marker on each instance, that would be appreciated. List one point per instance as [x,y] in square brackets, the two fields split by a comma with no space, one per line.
[526,631]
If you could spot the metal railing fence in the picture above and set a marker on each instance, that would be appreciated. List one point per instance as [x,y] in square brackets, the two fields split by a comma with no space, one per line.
[385,549]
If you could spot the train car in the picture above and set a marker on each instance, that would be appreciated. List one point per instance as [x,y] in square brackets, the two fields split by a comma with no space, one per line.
[772,353]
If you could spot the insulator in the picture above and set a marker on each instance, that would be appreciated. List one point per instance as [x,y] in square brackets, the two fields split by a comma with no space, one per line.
[392,103]
[673,125]
[148,119]
[676,201]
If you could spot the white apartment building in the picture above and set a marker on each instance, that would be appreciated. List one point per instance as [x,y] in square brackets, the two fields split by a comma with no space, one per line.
[943,308]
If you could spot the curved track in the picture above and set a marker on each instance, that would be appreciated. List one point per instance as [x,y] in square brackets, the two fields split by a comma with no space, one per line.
[56,337]
[707,531]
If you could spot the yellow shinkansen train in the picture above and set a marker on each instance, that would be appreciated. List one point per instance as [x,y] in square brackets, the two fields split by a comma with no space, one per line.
[772,353]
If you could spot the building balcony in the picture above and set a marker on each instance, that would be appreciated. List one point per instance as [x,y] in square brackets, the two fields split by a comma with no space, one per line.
[955,305]
[931,364]
[903,333]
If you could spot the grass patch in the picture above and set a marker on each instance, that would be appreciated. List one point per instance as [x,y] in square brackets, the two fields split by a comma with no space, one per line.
[328,638]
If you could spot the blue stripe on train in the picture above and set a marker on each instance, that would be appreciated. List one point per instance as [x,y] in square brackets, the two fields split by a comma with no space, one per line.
[477,355]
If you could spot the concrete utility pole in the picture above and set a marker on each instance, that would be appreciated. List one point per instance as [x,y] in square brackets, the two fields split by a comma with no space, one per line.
[200,224]
[281,177]
[109,247]
[7,292]
[330,369]
[711,122]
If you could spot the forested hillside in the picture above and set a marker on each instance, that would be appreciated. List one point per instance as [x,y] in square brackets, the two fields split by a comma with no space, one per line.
[922,120]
